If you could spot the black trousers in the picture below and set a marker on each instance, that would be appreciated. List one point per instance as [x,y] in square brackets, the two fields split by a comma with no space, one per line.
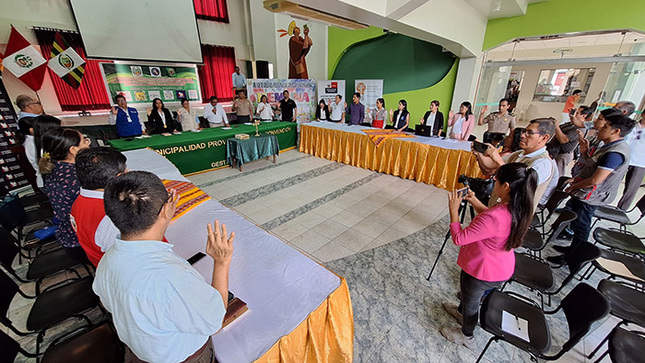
[472,291]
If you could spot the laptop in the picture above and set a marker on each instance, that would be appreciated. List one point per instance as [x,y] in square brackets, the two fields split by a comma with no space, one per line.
[423,130]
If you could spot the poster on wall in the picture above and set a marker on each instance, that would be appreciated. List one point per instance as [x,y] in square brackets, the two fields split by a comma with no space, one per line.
[140,84]
[303,91]
[11,174]
[370,90]
[327,90]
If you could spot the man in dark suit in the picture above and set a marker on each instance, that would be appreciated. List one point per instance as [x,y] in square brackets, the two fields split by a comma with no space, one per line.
[433,118]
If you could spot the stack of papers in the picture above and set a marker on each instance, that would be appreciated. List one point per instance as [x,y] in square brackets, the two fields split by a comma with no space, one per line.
[515,325]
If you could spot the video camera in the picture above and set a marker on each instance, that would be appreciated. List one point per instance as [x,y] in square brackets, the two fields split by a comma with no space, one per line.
[482,188]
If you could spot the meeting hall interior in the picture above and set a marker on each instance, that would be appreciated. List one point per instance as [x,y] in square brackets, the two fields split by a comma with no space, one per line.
[322,181]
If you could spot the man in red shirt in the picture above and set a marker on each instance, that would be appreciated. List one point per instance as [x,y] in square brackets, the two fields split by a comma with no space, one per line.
[96,232]
[571,105]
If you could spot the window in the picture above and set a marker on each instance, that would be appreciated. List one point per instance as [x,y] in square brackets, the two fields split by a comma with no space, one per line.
[215,10]
[215,76]
[555,85]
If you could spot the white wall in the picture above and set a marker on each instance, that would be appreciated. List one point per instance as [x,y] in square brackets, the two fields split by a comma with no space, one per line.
[233,34]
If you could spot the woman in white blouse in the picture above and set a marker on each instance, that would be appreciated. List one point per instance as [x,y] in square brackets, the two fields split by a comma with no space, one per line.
[187,117]
[264,109]
[462,123]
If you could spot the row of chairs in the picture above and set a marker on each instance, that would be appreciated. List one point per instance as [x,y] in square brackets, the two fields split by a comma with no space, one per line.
[584,305]
[55,304]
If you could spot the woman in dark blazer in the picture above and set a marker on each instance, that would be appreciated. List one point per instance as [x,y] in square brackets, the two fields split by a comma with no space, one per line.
[160,119]
[437,125]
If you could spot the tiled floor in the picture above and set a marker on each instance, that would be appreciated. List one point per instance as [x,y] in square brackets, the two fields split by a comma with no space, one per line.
[382,234]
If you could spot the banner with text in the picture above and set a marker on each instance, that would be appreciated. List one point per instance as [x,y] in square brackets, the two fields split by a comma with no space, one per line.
[327,90]
[303,91]
[11,174]
[370,90]
[141,84]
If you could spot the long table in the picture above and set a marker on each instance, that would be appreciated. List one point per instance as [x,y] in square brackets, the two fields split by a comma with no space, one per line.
[431,160]
[194,152]
[298,310]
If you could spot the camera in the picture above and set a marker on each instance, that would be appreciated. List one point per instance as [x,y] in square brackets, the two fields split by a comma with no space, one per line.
[482,188]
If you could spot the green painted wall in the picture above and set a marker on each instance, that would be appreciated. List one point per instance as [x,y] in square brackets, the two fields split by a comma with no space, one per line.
[418,100]
[564,16]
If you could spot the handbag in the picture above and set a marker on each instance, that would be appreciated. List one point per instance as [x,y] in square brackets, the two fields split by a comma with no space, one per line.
[12,212]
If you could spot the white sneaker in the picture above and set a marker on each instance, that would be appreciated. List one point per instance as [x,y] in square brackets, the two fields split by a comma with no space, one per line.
[456,336]
[453,310]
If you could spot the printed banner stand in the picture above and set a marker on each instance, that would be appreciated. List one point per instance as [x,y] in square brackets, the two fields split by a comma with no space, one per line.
[370,90]
[328,90]
[302,91]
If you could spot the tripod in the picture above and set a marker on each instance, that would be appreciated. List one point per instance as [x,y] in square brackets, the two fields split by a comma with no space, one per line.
[462,217]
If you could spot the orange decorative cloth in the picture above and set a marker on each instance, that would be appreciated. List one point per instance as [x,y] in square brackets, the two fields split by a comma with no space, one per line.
[379,136]
[189,196]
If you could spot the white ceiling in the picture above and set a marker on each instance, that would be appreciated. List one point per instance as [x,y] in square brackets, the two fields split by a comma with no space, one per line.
[582,46]
[493,9]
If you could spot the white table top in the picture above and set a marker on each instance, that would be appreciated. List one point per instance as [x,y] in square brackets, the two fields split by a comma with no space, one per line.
[433,140]
[280,285]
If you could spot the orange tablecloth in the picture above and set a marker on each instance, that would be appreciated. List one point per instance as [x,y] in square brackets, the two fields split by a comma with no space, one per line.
[327,335]
[399,157]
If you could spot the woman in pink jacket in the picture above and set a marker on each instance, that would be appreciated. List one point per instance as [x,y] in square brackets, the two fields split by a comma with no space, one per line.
[486,256]
[462,123]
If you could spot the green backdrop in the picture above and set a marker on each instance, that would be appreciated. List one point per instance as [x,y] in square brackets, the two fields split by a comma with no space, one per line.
[414,70]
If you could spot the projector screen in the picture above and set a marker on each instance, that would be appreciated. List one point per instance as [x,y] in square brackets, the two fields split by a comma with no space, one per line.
[159,30]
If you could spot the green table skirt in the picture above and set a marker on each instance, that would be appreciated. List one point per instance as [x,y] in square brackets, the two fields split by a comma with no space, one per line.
[251,149]
[194,152]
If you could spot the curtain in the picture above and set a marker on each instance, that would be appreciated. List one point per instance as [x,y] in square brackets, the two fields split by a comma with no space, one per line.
[91,95]
[215,10]
[215,75]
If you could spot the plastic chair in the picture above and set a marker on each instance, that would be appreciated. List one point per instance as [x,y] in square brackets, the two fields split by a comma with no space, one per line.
[625,346]
[538,275]
[583,306]
[14,217]
[54,305]
[617,264]
[616,239]
[626,304]
[540,219]
[533,239]
[98,344]
[613,214]
[42,266]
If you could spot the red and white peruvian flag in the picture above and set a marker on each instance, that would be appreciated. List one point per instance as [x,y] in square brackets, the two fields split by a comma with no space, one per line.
[24,61]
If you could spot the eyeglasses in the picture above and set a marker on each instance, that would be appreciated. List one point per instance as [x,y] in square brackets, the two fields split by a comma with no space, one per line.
[526,132]
[166,202]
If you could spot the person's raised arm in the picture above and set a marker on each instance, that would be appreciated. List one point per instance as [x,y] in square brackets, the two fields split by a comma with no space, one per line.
[481,116]
[112,119]
[220,247]
[559,135]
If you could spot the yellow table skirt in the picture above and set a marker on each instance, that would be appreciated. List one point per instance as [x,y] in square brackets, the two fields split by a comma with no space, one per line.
[327,335]
[399,157]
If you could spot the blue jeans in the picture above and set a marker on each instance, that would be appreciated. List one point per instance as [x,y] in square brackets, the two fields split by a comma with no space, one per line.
[472,291]
[581,226]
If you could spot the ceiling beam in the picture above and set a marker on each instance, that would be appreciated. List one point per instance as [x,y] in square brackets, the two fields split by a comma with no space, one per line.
[405,9]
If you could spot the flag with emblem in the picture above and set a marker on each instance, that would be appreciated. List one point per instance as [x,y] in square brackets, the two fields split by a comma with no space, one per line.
[24,61]
[66,63]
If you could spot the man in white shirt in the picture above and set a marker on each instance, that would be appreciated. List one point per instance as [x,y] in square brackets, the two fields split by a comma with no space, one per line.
[215,114]
[533,144]
[337,110]
[162,308]
[239,81]
[30,108]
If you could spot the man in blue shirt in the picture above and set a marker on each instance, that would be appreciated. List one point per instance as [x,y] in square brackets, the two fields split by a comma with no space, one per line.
[597,181]
[126,119]
[162,308]
[356,110]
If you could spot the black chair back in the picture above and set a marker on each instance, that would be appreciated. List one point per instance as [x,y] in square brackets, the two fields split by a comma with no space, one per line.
[580,256]
[12,212]
[9,348]
[554,202]
[8,289]
[626,346]
[8,250]
[563,221]
[583,306]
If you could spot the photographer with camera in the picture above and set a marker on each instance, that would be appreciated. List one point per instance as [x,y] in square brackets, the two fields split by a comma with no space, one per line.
[533,153]
[486,256]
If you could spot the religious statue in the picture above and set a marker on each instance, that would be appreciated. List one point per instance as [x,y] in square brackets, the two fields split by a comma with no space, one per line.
[298,50]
